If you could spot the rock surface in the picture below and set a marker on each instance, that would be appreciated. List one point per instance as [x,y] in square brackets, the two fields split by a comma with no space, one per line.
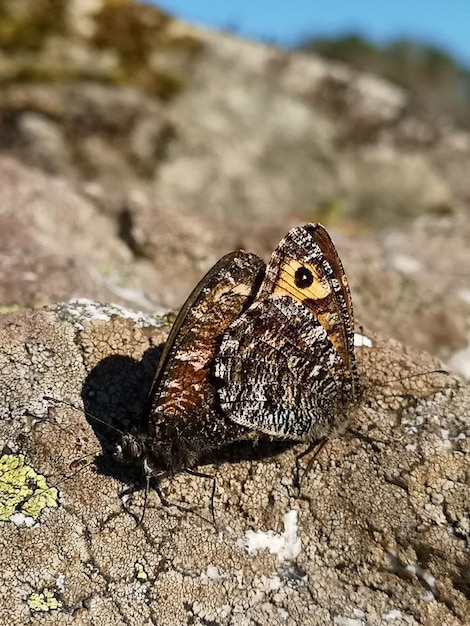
[379,530]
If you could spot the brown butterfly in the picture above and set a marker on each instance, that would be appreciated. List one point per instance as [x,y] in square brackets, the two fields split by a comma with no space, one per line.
[254,349]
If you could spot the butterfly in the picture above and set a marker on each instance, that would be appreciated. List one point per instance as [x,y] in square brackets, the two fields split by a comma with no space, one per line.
[255,350]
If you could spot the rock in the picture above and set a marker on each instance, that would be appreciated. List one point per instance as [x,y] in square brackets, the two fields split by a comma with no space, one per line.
[403,285]
[134,101]
[194,144]
[51,240]
[379,530]
[56,244]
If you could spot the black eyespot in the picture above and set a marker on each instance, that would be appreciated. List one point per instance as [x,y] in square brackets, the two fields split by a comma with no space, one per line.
[303,278]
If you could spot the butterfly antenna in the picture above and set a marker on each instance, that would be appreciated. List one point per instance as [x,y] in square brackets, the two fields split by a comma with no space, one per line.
[87,413]
[401,379]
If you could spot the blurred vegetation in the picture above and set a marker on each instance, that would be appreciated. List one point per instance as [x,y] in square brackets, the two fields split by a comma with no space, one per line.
[126,43]
[26,25]
[439,84]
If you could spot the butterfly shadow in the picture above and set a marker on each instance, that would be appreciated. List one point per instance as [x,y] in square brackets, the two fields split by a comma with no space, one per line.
[238,451]
[115,395]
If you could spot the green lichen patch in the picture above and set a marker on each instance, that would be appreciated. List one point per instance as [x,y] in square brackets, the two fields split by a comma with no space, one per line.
[23,492]
[44,601]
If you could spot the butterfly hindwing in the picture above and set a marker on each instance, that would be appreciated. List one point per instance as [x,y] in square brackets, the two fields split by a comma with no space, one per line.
[287,363]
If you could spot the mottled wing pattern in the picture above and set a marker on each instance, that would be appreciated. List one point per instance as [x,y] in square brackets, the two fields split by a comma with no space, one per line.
[181,387]
[287,364]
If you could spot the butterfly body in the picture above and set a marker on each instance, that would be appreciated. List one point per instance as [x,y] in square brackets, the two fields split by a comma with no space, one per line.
[255,350]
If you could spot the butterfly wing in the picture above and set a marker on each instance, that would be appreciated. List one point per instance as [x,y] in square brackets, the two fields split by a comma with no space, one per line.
[181,385]
[287,364]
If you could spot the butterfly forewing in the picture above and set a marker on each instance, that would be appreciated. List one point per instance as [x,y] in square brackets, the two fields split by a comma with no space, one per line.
[306,253]
[181,381]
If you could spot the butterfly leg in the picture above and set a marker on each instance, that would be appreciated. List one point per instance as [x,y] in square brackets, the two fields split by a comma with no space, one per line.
[214,485]
[317,446]
[151,482]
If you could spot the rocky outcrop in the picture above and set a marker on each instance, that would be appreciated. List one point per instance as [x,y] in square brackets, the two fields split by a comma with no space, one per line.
[142,106]
[135,152]
[379,529]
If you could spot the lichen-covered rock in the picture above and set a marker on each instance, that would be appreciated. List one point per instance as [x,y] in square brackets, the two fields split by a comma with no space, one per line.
[379,530]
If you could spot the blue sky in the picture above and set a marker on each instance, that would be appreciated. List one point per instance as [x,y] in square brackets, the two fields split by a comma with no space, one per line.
[432,21]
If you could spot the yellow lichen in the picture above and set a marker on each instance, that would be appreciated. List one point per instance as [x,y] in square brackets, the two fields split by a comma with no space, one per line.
[22,490]
[140,572]
[44,601]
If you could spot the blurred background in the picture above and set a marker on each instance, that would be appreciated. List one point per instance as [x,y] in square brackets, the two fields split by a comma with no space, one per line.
[139,142]
[422,46]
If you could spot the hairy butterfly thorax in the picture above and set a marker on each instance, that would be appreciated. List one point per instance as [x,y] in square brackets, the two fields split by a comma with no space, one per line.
[256,350]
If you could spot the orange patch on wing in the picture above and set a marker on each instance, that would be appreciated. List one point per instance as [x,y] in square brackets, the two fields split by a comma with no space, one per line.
[285,284]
